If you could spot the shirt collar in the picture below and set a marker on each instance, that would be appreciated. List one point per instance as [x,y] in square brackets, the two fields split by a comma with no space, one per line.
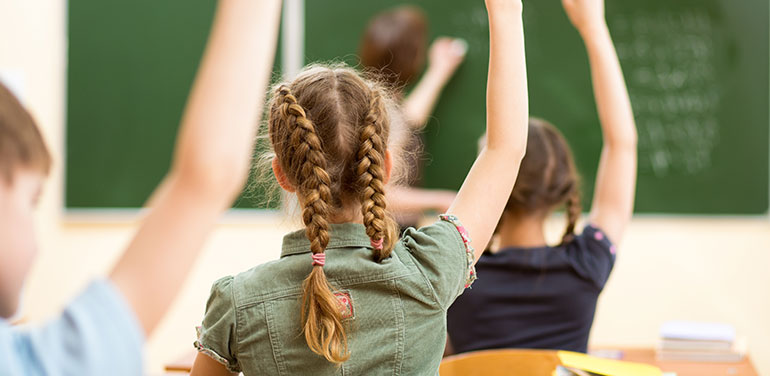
[340,236]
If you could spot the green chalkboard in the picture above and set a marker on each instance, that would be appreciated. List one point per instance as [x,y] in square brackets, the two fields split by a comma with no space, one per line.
[131,66]
[697,71]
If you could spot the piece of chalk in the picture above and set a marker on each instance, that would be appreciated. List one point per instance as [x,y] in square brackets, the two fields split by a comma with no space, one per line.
[460,46]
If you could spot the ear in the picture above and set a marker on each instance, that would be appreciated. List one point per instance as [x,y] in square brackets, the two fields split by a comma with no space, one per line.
[388,166]
[283,181]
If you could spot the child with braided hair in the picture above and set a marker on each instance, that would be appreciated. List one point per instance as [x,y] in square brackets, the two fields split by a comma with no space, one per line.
[347,295]
[538,296]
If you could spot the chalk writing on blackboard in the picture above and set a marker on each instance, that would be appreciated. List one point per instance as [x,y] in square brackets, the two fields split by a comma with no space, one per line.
[669,59]
[472,26]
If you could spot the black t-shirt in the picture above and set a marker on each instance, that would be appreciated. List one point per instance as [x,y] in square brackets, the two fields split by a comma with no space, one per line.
[538,298]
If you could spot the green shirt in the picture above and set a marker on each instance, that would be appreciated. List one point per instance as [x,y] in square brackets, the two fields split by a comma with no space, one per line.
[396,309]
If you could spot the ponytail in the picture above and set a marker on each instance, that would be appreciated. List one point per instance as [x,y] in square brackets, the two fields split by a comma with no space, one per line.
[572,209]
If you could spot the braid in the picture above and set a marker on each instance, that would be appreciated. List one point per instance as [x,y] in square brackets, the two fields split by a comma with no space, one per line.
[311,162]
[321,316]
[573,210]
[371,176]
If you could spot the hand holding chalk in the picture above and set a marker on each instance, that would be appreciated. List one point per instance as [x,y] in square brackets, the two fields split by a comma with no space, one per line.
[460,46]
[446,54]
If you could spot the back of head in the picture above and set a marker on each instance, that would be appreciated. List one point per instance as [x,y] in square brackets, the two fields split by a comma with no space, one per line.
[329,129]
[395,44]
[547,177]
[21,144]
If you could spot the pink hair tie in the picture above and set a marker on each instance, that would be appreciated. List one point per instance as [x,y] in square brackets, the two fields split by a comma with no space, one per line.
[319,259]
[377,244]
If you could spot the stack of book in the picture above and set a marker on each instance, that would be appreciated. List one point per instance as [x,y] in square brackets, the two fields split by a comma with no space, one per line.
[689,341]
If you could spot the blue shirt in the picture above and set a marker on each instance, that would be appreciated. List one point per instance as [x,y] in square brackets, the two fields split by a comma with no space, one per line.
[97,334]
[540,298]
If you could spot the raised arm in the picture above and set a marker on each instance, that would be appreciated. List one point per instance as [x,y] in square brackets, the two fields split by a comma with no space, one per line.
[211,159]
[445,55]
[613,202]
[486,189]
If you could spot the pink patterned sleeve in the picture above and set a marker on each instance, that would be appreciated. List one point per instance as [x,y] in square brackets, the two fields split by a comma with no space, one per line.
[469,252]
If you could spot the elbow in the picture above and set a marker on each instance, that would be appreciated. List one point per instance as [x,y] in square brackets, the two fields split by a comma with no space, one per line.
[627,145]
[511,143]
[517,154]
[514,149]
[511,153]
[520,156]
[627,142]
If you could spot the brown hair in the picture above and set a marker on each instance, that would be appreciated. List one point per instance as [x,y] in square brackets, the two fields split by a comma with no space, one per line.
[547,177]
[329,130]
[21,144]
[395,44]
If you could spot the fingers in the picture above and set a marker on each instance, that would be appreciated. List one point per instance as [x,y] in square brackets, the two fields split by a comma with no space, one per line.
[448,50]
[460,47]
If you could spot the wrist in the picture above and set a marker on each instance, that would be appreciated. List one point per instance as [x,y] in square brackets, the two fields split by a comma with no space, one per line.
[594,31]
[497,6]
[438,75]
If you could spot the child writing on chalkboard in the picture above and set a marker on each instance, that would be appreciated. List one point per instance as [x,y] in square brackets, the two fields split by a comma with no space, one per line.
[394,46]
[347,295]
[537,296]
[102,331]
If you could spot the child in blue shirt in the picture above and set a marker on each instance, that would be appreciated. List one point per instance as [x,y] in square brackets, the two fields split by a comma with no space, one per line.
[102,331]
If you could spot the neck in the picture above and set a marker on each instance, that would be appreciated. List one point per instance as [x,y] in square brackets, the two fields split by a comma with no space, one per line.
[350,213]
[347,215]
[522,231]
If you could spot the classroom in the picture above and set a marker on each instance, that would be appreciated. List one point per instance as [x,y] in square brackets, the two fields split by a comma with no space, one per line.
[108,82]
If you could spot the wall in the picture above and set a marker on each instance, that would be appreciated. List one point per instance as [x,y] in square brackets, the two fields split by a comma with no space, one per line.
[668,267]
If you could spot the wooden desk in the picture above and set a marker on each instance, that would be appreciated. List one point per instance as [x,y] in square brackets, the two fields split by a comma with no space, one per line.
[640,355]
[183,363]
[511,362]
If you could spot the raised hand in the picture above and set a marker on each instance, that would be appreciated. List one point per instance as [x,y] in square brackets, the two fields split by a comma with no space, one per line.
[446,54]
[613,201]
[486,189]
[211,160]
